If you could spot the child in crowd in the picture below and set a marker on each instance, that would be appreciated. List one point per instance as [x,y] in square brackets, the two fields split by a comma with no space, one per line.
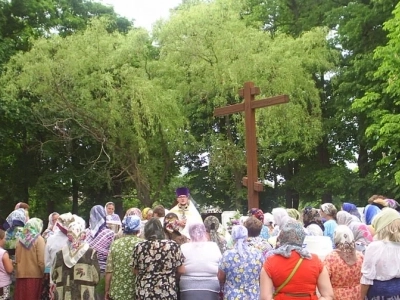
[6,268]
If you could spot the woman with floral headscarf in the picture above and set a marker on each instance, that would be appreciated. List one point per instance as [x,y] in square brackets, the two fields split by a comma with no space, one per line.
[344,265]
[312,221]
[328,212]
[307,270]
[75,270]
[29,255]
[212,224]
[381,267]
[361,232]
[156,262]
[200,280]
[120,280]
[172,228]
[54,244]
[239,269]
[14,225]
[51,225]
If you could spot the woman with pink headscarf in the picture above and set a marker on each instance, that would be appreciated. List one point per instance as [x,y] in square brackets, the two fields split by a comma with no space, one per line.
[200,280]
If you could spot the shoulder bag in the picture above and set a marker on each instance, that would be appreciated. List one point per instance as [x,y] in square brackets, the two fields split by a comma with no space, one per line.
[289,277]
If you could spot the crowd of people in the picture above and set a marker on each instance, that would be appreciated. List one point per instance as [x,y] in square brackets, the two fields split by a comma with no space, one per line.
[158,254]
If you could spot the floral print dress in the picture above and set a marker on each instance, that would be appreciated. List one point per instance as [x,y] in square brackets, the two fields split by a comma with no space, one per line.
[242,274]
[157,262]
[345,279]
[122,285]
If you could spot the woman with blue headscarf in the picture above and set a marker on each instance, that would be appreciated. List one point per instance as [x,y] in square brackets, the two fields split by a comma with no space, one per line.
[352,209]
[239,269]
[120,280]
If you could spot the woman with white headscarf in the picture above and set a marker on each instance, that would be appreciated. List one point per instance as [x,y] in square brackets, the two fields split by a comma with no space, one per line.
[200,280]
[51,225]
[344,265]
[239,269]
[75,270]
[113,220]
[281,217]
[361,232]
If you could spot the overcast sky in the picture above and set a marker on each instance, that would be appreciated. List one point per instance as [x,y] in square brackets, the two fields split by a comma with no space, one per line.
[145,12]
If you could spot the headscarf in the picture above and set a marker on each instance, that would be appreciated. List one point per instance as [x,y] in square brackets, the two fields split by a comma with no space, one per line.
[268,219]
[76,246]
[197,232]
[171,223]
[131,224]
[51,223]
[50,226]
[134,211]
[370,212]
[393,204]
[311,216]
[281,216]
[153,230]
[15,218]
[144,212]
[211,224]
[344,218]
[239,236]
[293,213]
[360,231]
[63,222]
[329,209]
[107,204]
[31,232]
[258,213]
[113,219]
[345,244]
[351,209]
[291,238]
[97,220]
[384,218]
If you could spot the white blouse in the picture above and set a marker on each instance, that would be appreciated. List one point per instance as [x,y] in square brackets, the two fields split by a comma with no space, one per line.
[381,262]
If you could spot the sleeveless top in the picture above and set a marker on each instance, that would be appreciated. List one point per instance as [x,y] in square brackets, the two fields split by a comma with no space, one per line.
[5,278]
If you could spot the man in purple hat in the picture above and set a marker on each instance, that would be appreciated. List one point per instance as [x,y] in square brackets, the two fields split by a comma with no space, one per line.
[185,210]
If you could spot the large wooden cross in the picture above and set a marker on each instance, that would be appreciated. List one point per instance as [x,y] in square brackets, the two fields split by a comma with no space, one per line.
[249,106]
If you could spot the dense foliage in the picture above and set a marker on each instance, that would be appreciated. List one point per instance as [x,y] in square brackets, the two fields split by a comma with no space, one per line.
[93,109]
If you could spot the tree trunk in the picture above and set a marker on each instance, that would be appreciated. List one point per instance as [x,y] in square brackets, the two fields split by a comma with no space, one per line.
[324,162]
[363,170]
[238,186]
[117,190]
[75,196]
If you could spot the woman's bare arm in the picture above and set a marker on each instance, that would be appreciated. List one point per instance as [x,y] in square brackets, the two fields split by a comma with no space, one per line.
[325,286]
[266,286]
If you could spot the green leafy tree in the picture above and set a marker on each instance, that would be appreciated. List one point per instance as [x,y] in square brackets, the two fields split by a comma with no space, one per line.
[382,106]
[94,92]
[213,52]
